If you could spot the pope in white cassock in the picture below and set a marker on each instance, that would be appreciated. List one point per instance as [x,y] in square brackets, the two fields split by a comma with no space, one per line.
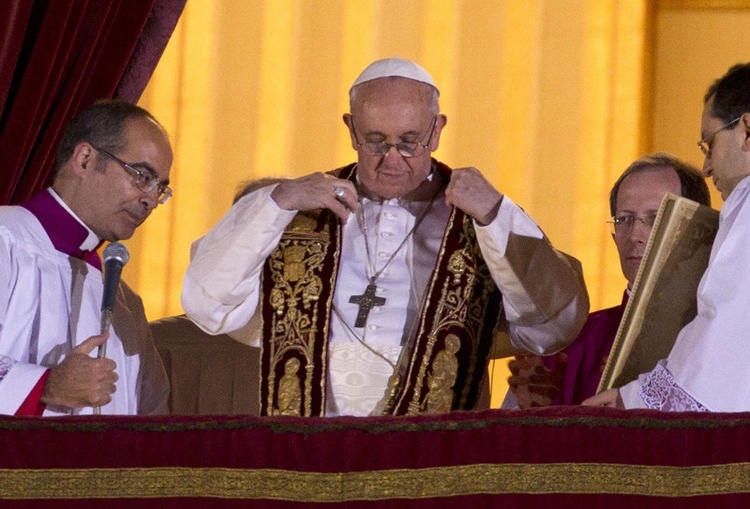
[113,170]
[383,287]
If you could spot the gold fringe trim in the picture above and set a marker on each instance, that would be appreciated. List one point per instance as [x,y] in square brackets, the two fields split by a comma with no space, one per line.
[289,485]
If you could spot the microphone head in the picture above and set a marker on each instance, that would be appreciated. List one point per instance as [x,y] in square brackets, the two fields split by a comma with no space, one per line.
[116,251]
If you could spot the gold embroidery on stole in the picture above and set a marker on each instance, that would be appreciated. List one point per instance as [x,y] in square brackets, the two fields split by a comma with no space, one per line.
[443,377]
[294,267]
[463,308]
[460,303]
[290,398]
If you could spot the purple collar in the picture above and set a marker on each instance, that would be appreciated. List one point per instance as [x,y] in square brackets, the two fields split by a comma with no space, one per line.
[65,232]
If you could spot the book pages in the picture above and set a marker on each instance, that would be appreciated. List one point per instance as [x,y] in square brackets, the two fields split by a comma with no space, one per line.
[663,298]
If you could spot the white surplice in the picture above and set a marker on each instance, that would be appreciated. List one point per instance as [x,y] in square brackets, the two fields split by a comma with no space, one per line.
[708,367]
[50,302]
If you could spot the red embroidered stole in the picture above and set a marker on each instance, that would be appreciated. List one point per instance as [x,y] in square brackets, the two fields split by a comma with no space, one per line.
[441,370]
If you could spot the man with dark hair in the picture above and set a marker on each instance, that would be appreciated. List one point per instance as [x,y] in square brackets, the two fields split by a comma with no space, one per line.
[573,374]
[707,369]
[112,172]
[382,287]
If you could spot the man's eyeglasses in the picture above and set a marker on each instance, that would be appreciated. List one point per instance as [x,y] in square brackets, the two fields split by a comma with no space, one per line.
[705,143]
[145,179]
[624,223]
[405,148]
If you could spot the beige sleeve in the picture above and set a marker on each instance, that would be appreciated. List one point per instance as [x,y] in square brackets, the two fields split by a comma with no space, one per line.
[545,302]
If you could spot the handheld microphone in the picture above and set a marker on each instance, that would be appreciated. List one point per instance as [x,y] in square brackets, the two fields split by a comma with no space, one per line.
[115,256]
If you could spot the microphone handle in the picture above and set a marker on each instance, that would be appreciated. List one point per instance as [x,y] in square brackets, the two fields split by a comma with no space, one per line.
[105,323]
[115,256]
[102,351]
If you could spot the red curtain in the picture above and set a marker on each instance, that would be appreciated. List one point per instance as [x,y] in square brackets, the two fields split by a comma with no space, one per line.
[59,56]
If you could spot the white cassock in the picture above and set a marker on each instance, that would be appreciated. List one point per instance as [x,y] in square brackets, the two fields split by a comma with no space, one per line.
[50,302]
[220,290]
[709,365]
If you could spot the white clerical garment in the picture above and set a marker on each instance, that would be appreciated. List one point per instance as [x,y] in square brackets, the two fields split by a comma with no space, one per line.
[707,368]
[50,302]
[221,286]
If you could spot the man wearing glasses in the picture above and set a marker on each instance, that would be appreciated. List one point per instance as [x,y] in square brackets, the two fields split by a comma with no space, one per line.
[707,369]
[378,288]
[113,166]
[573,375]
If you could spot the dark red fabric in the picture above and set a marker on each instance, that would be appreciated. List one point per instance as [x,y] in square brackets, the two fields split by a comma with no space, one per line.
[154,38]
[14,16]
[33,405]
[57,58]
[548,436]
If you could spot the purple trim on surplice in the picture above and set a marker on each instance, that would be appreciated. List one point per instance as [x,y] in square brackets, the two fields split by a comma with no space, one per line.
[65,232]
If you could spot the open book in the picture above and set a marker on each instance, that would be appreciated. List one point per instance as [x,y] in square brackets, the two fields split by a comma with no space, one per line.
[663,299]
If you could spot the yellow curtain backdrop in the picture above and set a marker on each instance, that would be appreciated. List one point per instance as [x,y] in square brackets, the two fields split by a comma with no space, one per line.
[544,96]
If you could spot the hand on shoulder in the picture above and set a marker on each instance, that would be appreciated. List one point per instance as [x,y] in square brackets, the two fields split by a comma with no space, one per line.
[317,191]
[471,192]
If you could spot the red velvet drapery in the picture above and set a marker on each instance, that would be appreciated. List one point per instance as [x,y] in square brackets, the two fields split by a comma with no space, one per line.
[550,457]
[57,57]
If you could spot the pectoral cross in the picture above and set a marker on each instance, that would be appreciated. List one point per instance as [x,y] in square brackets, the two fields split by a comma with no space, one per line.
[366,302]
